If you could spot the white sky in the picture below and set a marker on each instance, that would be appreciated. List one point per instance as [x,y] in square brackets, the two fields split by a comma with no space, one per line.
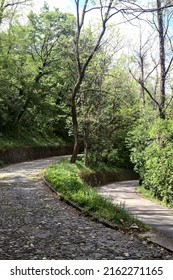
[69,6]
[130,32]
[63,5]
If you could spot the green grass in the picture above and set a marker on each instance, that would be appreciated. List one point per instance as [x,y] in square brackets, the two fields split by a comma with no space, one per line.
[64,177]
[146,193]
[24,138]
[101,167]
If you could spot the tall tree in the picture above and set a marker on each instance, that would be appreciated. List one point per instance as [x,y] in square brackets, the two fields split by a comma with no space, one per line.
[161,12]
[32,63]
[106,12]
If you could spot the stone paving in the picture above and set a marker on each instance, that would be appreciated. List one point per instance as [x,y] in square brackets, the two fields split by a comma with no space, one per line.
[35,224]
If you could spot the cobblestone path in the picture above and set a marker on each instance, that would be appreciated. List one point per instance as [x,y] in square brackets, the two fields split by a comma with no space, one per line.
[34,224]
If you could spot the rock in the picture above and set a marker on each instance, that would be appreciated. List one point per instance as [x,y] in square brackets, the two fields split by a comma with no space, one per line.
[126,254]
[134,226]
[26,246]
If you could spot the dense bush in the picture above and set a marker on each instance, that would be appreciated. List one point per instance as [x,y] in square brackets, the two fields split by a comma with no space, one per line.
[137,141]
[152,154]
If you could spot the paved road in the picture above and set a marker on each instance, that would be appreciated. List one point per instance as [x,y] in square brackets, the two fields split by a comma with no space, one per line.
[159,217]
[35,224]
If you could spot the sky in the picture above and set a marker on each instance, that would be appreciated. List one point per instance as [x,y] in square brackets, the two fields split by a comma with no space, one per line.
[63,5]
[130,34]
[129,31]
[69,6]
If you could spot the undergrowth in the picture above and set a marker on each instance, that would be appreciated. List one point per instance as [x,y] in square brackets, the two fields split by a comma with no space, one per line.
[64,177]
[24,138]
[147,193]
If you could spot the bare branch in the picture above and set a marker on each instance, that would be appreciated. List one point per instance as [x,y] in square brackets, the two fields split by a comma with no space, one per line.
[16,3]
[145,88]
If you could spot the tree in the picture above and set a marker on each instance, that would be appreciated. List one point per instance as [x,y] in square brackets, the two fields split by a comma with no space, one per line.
[32,61]
[161,17]
[107,107]
[82,64]
[150,140]
[8,7]
[141,63]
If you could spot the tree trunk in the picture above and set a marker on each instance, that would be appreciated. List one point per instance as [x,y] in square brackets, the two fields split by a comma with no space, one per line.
[86,134]
[82,66]
[1,10]
[142,82]
[162,59]
[75,132]
[162,113]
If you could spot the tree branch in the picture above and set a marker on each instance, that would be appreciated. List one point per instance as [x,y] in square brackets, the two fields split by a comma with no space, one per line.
[144,87]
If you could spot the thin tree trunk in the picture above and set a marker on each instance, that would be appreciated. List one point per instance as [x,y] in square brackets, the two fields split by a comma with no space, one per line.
[1,10]
[75,132]
[23,110]
[86,134]
[162,59]
[142,83]
[82,67]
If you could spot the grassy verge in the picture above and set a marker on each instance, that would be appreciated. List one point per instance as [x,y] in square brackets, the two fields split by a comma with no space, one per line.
[28,139]
[64,177]
[147,194]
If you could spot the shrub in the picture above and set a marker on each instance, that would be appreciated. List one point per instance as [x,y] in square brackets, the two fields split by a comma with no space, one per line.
[152,155]
[137,141]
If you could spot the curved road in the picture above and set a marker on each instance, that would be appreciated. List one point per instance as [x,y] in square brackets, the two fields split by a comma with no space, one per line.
[35,224]
[157,216]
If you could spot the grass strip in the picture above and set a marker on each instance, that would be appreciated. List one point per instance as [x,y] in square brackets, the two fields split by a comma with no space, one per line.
[146,193]
[65,178]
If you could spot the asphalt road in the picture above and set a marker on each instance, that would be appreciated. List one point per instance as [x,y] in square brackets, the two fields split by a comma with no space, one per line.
[152,214]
